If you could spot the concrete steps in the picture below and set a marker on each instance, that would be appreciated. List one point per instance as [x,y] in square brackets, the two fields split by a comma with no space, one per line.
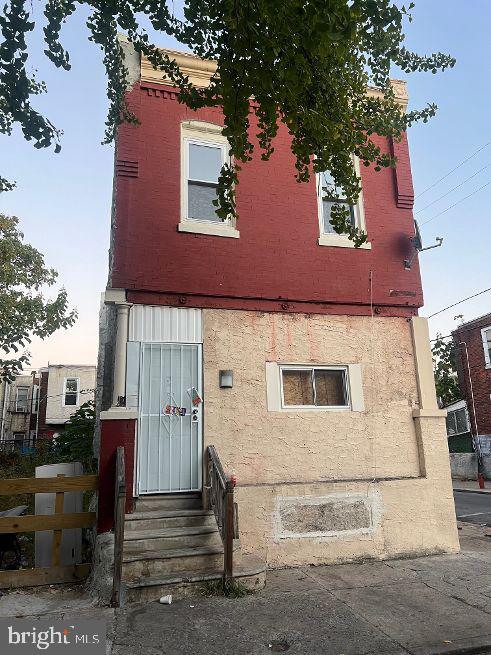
[170,542]
[251,573]
[159,520]
[168,501]
[171,538]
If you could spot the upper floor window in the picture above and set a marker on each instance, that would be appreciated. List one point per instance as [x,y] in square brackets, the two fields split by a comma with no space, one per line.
[22,399]
[457,422]
[205,161]
[71,390]
[204,150]
[328,196]
[486,342]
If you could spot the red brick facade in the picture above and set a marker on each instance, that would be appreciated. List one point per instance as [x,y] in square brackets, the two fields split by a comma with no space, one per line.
[470,335]
[276,264]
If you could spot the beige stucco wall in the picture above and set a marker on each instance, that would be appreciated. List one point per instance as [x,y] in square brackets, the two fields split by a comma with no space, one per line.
[398,463]
[56,412]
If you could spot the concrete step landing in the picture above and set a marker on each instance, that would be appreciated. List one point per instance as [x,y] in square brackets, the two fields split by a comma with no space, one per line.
[170,544]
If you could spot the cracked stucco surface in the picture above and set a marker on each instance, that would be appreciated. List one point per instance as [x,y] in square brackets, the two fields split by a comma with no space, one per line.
[278,455]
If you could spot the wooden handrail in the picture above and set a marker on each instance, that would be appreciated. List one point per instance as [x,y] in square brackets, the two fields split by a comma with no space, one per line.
[220,498]
[119,510]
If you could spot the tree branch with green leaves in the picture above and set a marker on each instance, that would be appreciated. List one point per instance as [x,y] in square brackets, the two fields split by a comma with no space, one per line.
[304,64]
[24,310]
[445,370]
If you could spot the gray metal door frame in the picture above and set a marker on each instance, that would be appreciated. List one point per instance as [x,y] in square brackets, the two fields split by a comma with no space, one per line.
[170,447]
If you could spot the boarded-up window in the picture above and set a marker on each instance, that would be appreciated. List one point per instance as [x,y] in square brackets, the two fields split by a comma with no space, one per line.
[314,387]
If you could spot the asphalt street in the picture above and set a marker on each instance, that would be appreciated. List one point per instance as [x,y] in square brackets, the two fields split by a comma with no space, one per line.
[473,507]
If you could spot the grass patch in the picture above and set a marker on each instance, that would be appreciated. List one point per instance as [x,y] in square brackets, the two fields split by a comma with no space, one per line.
[232,589]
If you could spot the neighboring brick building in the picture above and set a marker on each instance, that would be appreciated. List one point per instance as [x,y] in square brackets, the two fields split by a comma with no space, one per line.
[302,359]
[36,406]
[473,345]
[18,412]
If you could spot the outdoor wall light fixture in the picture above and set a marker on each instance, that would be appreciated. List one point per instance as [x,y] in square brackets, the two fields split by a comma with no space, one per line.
[226,379]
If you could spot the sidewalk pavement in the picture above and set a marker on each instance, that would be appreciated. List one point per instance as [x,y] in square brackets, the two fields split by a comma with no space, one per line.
[432,605]
[471,486]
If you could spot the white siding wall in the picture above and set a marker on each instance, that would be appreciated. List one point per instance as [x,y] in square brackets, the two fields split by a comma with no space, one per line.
[152,323]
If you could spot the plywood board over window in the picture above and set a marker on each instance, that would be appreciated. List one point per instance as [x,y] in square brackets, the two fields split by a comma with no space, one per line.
[292,387]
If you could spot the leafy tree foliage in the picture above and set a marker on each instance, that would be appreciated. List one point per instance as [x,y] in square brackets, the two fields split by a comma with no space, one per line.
[306,64]
[24,311]
[74,444]
[445,369]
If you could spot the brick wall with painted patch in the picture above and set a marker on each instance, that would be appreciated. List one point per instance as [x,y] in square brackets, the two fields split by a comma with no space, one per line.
[318,485]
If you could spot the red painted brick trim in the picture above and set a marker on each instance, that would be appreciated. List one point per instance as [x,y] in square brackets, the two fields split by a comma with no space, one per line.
[113,434]
[402,174]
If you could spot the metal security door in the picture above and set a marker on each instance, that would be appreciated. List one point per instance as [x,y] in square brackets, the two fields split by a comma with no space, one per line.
[170,418]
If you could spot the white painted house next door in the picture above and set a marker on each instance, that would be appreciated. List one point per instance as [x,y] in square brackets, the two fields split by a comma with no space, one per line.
[170,424]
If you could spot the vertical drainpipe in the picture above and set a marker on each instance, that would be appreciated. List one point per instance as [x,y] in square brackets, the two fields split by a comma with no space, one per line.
[475,440]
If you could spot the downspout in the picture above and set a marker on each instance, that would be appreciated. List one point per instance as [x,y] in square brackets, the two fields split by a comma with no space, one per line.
[475,441]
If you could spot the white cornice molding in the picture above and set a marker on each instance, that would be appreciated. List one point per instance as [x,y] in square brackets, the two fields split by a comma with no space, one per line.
[200,71]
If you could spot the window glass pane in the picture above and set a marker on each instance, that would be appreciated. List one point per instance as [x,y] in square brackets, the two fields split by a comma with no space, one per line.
[297,388]
[327,206]
[22,399]
[205,162]
[451,423]
[329,388]
[488,341]
[200,202]
[71,384]
[71,388]
[461,420]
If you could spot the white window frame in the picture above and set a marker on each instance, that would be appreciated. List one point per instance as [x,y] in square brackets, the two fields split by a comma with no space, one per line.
[26,410]
[461,408]
[35,398]
[77,403]
[274,388]
[208,135]
[341,240]
[487,358]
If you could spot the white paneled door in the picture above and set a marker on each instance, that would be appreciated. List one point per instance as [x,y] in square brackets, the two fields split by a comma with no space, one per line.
[170,418]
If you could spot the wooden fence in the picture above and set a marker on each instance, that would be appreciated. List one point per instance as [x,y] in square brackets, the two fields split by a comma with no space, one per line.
[57,522]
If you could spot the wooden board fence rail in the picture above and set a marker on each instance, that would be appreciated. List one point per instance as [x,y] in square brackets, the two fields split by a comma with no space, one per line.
[57,522]
[12,486]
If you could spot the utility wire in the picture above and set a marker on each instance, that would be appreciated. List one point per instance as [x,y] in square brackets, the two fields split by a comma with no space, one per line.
[453,189]
[454,169]
[459,302]
[444,211]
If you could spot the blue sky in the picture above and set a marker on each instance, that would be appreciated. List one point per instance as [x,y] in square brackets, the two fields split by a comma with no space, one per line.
[64,200]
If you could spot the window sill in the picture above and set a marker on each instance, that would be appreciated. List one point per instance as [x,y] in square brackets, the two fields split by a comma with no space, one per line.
[340,241]
[294,410]
[208,227]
